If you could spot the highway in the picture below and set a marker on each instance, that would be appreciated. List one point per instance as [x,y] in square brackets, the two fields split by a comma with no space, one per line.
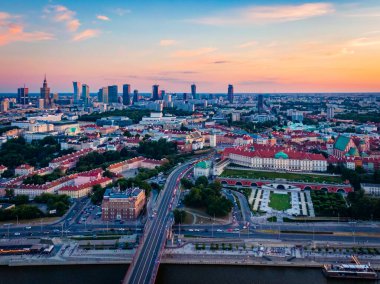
[146,260]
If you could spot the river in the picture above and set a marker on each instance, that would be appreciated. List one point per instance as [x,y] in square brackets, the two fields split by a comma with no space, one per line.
[167,274]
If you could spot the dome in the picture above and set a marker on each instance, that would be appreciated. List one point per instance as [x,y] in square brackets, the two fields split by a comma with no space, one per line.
[281,155]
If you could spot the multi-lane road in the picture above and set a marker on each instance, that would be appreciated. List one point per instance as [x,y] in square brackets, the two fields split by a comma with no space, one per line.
[146,260]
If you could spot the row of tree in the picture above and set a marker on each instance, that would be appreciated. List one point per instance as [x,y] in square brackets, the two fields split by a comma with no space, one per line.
[42,179]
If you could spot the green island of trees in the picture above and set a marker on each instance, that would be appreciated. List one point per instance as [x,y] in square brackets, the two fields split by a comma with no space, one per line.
[134,114]
[38,153]
[24,209]
[208,196]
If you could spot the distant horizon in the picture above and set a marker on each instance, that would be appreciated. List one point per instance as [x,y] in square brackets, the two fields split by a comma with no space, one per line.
[219,93]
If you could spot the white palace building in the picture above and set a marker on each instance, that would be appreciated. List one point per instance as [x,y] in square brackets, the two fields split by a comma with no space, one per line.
[266,157]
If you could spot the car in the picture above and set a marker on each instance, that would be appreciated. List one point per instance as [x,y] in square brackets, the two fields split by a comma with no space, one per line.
[219,230]
[191,230]
[28,227]
[197,230]
[17,234]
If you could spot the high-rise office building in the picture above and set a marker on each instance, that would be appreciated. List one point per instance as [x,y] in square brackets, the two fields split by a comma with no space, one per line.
[194,91]
[185,96]
[136,97]
[45,94]
[126,94]
[85,93]
[23,96]
[260,103]
[155,95]
[230,94]
[77,91]
[112,94]
[103,95]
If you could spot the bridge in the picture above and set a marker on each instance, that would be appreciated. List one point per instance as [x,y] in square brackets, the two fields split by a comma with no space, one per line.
[145,263]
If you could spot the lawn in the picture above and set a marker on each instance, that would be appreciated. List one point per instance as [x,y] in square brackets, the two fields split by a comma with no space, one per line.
[278,201]
[282,175]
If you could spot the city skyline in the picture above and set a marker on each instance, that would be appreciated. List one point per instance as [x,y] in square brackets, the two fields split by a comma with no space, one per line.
[271,46]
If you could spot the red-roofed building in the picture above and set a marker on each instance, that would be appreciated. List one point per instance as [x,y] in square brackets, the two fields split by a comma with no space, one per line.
[23,170]
[275,158]
[2,169]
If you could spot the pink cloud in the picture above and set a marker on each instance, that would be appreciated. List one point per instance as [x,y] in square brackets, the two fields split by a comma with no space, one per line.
[11,31]
[268,14]
[103,18]
[86,34]
[62,14]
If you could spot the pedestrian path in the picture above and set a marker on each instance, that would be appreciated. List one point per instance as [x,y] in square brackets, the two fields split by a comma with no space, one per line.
[310,204]
[257,200]
[303,204]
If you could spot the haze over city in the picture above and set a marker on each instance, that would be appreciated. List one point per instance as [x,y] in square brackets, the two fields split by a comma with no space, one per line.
[149,142]
[265,46]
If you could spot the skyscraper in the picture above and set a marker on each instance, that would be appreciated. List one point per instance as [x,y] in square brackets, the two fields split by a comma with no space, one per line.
[77,91]
[103,95]
[155,95]
[136,97]
[194,91]
[260,103]
[85,93]
[112,94]
[45,94]
[126,94]
[230,95]
[23,96]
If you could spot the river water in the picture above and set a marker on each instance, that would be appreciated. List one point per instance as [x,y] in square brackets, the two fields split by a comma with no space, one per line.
[168,274]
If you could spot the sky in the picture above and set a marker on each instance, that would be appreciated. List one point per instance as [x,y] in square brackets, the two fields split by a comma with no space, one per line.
[258,46]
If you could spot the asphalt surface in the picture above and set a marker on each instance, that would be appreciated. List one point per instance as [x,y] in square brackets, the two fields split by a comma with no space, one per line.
[146,260]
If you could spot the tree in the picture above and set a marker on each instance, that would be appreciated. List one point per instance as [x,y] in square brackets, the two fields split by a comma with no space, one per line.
[98,193]
[179,216]
[20,199]
[7,174]
[127,133]
[201,181]
[9,193]
[108,174]
[186,183]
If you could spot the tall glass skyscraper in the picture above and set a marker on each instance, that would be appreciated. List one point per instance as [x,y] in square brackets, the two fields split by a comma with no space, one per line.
[23,96]
[85,93]
[103,95]
[77,91]
[155,94]
[126,94]
[194,91]
[112,94]
[230,95]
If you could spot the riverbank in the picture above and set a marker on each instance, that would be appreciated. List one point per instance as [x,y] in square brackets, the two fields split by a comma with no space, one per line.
[188,259]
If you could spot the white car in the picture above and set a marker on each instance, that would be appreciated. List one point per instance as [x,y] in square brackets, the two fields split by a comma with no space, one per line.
[191,230]
[219,230]
[17,234]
